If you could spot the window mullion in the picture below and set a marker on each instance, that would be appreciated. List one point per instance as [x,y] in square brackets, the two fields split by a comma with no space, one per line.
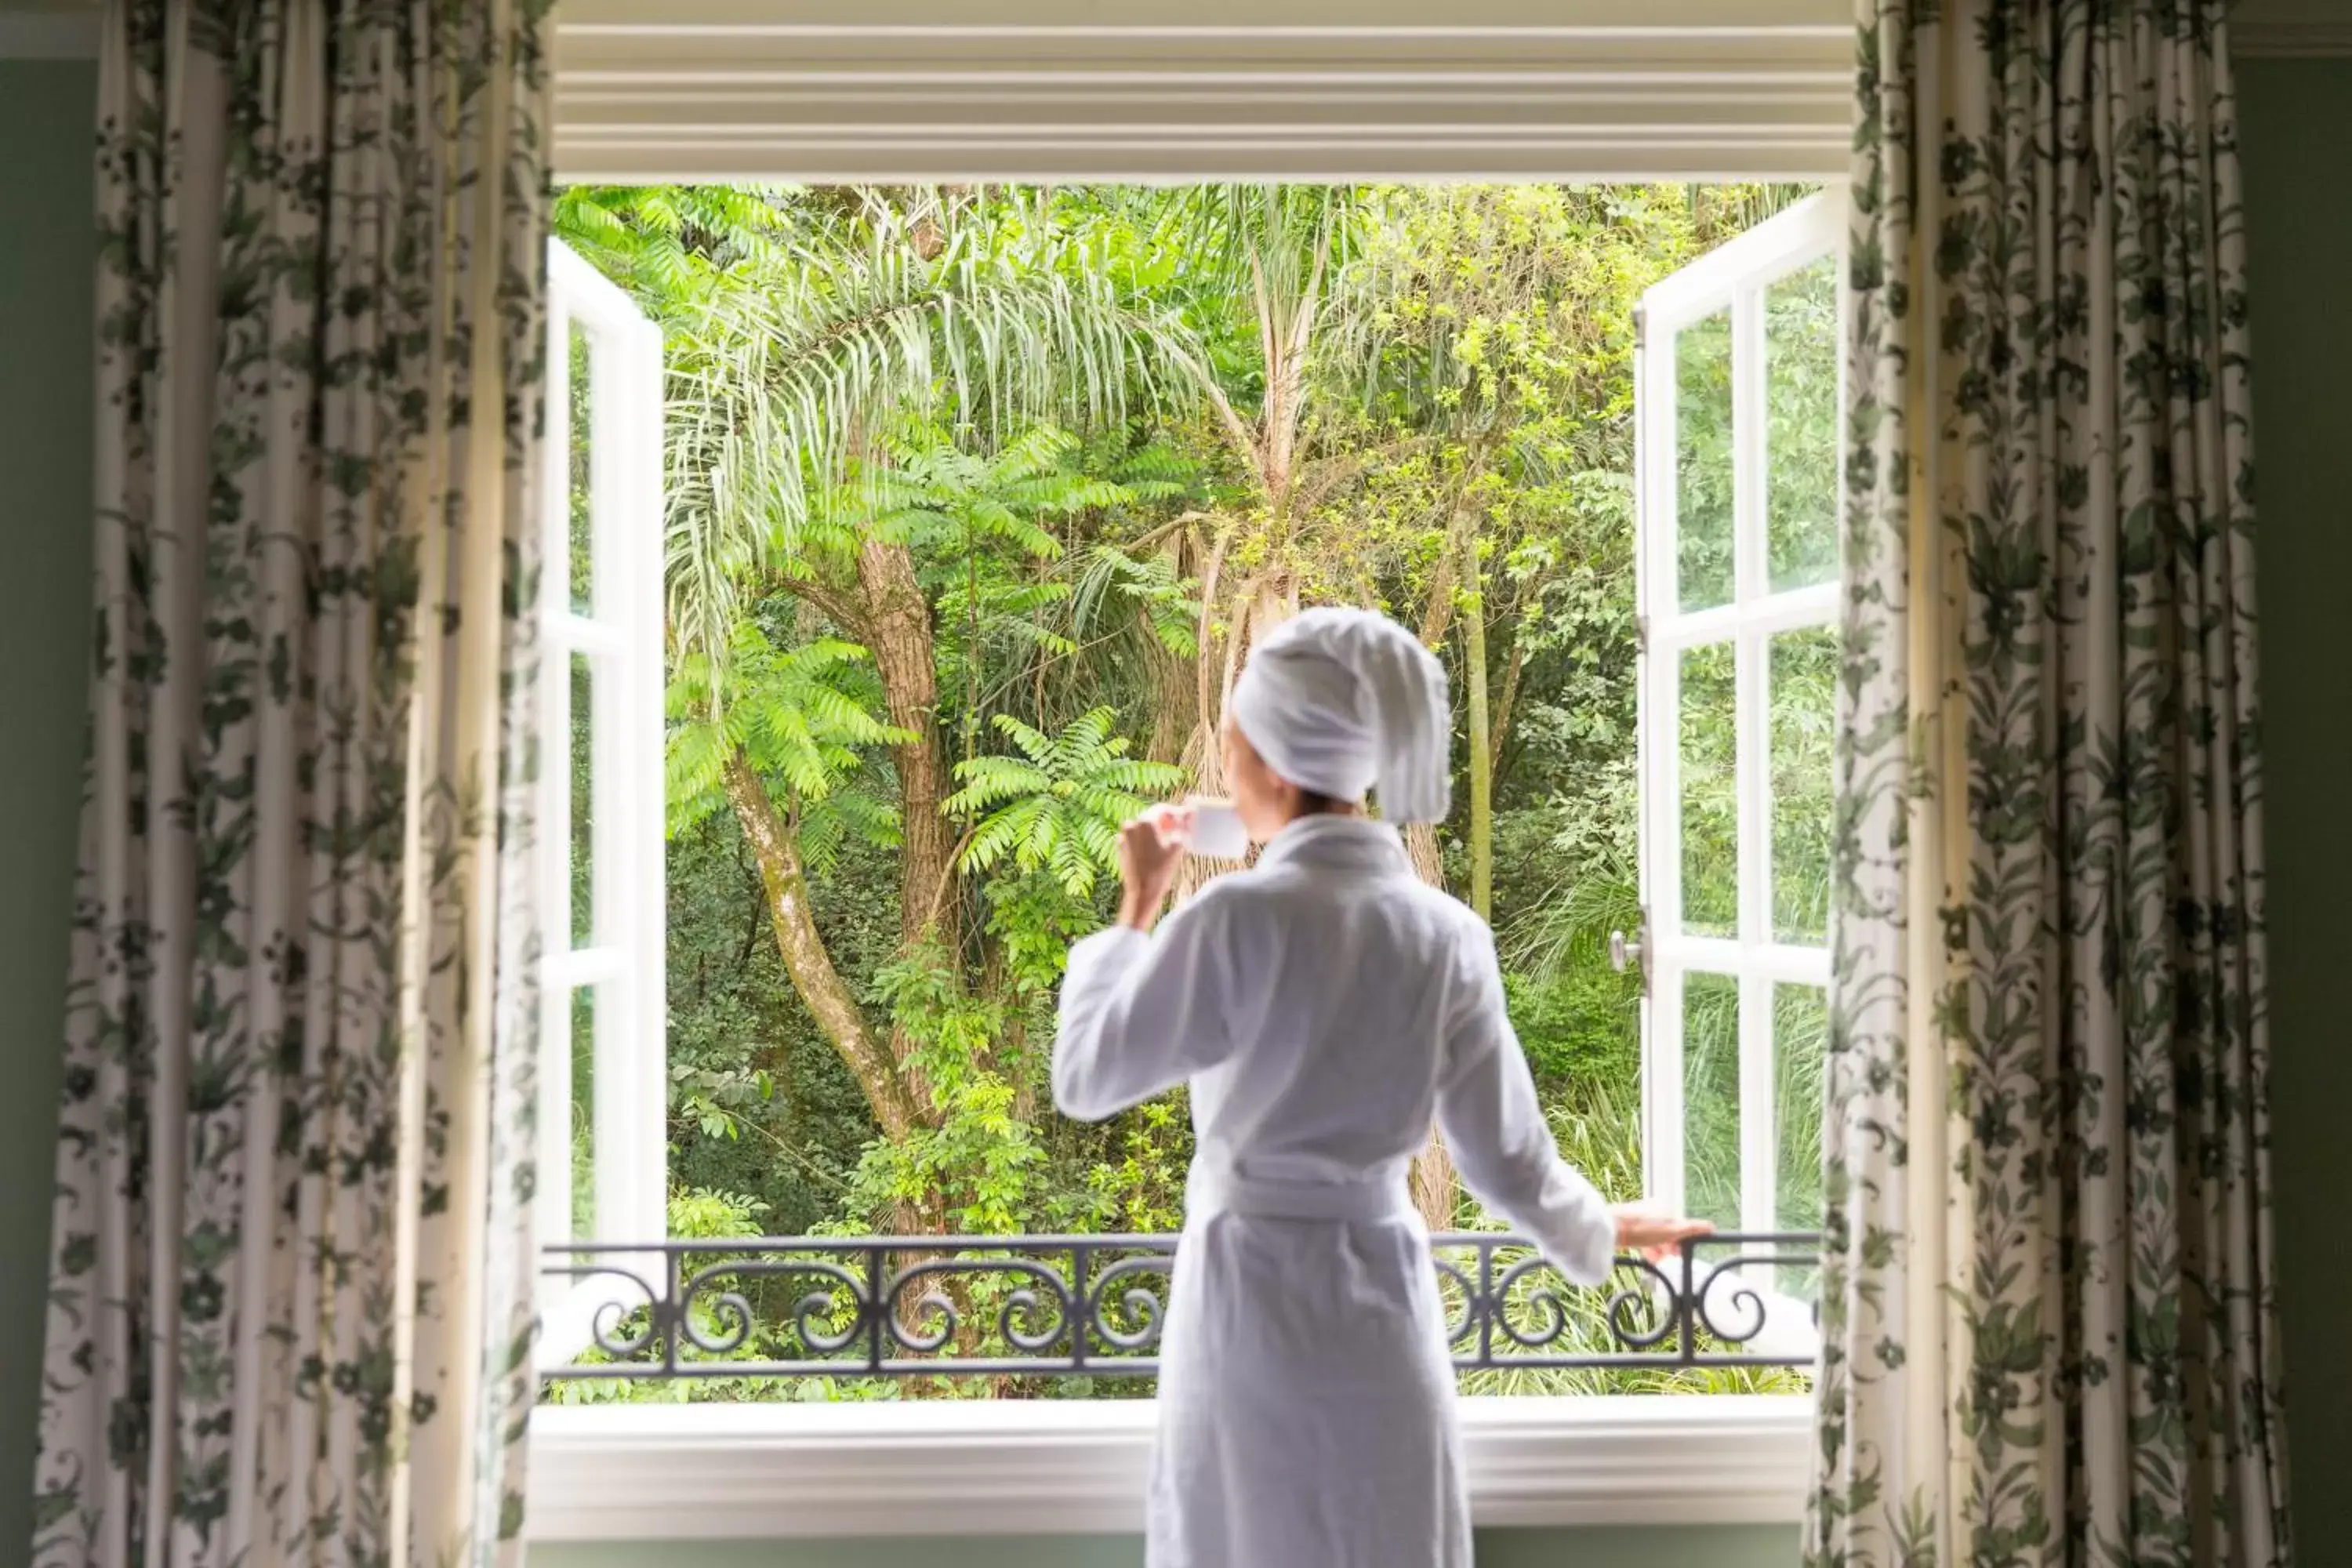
[1656,803]
[553,1187]
[1759,1155]
[1749,569]
[1792,610]
[1751,730]
[1786,963]
[608,416]
[596,638]
[1665,1081]
[1753,783]
[1668,1183]
[590,966]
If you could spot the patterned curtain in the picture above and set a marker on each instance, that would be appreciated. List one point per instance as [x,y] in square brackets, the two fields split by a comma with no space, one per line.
[290,1280]
[2048,1314]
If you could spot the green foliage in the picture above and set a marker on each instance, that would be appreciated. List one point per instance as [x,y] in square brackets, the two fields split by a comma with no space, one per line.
[1111,579]
[1036,393]
[676,242]
[1140,1190]
[800,715]
[760,1102]
[1579,1026]
[981,1163]
[895,309]
[930,489]
[1056,803]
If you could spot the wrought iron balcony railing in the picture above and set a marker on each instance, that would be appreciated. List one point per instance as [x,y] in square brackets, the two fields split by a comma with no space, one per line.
[1093,1306]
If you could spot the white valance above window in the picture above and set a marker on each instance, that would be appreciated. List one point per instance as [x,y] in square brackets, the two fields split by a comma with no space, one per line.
[863,90]
[817,91]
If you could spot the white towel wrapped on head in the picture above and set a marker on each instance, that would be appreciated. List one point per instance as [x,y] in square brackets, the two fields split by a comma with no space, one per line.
[1342,701]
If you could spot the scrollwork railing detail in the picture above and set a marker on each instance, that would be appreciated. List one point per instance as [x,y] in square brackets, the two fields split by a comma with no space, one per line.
[1096,1306]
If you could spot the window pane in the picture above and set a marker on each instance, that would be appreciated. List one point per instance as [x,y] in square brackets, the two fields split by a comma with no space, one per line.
[584,1111]
[1711,1099]
[1703,514]
[1710,811]
[1804,728]
[1801,1031]
[1801,415]
[583,564]
[583,804]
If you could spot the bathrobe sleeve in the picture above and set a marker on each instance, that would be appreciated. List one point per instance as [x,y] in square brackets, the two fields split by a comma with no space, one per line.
[1496,1131]
[1142,1014]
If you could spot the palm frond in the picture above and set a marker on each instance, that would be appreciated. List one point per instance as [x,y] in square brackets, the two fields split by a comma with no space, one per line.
[1572,923]
[775,388]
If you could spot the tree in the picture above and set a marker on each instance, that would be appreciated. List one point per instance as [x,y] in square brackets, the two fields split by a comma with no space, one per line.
[1270,273]
[907,305]
[774,735]
[797,363]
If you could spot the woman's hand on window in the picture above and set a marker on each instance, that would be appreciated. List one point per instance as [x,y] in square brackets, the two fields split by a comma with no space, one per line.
[1652,1232]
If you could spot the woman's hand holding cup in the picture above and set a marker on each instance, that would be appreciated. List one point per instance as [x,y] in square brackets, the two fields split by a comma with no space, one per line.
[1151,848]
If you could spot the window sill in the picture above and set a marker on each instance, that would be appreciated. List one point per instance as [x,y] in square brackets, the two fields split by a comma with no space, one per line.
[980,1468]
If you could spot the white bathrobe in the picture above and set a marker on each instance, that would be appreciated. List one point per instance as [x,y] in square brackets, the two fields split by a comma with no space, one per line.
[1323,1007]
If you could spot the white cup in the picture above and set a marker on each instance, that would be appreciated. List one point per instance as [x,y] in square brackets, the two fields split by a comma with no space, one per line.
[1217,830]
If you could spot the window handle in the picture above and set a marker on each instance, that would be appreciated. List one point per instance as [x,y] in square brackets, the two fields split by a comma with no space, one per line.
[1622,954]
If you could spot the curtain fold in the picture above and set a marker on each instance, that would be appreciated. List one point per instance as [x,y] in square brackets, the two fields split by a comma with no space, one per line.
[291,1279]
[2048,1312]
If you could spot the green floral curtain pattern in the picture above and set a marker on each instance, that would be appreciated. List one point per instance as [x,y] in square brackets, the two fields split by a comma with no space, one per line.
[292,1272]
[2048,1314]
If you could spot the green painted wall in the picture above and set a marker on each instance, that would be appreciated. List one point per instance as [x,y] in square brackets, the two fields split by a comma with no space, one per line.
[46,116]
[2297,122]
[2299,202]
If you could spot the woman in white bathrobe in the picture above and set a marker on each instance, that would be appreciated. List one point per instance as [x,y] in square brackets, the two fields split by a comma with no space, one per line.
[1325,1006]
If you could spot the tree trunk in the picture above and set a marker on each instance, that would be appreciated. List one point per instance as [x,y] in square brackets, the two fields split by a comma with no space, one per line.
[898,621]
[818,984]
[1436,620]
[1428,862]
[828,998]
[1503,707]
[1434,1186]
[1173,681]
[1482,758]
[897,618]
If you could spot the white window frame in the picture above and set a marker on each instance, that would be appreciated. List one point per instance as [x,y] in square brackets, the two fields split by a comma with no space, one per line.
[1734,276]
[812,92]
[620,637]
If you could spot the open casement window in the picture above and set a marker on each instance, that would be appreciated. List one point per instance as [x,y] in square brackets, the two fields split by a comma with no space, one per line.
[1737,415]
[601,1158]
